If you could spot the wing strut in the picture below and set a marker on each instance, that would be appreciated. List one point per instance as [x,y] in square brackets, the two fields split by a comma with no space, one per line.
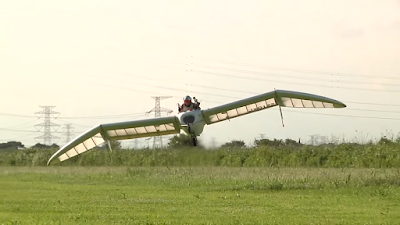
[280,109]
[108,143]
[283,125]
[106,138]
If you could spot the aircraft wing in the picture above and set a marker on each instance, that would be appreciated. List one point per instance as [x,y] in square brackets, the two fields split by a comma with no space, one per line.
[268,100]
[104,133]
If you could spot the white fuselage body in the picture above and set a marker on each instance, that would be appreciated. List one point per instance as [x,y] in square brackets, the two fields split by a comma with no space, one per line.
[192,122]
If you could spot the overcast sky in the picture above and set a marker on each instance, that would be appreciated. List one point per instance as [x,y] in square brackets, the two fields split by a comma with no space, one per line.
[107,58]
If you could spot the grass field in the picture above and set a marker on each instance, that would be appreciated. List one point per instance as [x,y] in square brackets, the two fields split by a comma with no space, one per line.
[198,195]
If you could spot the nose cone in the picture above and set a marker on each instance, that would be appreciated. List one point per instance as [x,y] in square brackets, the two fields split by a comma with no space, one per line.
[188,119]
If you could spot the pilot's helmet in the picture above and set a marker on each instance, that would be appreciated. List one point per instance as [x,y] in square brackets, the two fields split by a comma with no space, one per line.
[188,100]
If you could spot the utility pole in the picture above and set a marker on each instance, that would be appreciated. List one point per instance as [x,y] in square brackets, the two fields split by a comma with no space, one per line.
[157,140]
[67,132]
[47,137]
[314,139]
[147,142]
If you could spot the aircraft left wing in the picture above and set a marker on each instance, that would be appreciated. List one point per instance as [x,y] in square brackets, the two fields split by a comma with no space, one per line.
[104,133]
[268,100]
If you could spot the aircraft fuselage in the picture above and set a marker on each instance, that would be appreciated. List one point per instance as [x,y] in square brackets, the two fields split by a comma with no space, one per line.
[192,122]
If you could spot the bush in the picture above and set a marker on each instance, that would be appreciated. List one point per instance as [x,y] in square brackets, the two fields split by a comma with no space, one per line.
[380,155]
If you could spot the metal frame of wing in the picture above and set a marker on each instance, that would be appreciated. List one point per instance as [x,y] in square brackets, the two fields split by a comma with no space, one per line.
[268,100]
[104,133]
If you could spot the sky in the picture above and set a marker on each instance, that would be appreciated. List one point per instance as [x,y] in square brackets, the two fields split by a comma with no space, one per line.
[102,61]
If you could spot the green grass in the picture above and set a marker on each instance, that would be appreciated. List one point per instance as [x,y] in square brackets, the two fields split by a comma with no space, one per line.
[198,195]
[333,184]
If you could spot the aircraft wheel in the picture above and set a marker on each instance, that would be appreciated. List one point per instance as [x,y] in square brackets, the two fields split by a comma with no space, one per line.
[194,140]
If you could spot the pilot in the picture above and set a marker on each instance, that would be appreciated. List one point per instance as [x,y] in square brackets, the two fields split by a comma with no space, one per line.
[189,105]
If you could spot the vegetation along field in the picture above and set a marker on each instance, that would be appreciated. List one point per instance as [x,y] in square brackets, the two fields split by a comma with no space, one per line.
[271,183]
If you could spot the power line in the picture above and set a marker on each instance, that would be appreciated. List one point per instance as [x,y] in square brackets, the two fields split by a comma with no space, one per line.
[306,70]
[253,78]
[16,130]
[17,138]
[78,117]
[110,116]
[290,76]
[16,115]
[247,92]
[18,125]
[354,116]
[247,78]
[371,110]
[188,84]
[177,89]
[372,103]
[286,110]
[367,103]
[354,109]
[28,131]
[326,73]
[130,89]
[102,117]
[279,76]
[289,82]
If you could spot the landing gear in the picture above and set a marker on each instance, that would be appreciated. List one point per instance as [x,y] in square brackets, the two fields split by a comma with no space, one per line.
[194,140]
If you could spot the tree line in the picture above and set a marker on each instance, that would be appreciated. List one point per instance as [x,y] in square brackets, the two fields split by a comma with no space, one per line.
[184,141]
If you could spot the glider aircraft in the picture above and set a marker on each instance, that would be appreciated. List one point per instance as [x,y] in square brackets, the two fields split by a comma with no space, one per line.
[191,122]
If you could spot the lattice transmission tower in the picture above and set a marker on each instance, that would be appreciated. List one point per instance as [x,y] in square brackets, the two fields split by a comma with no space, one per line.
[157,140]
[47,138]
[67,132]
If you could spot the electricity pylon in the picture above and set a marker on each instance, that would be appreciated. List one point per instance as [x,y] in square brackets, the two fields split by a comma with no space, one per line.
[157,140]
[67,132]
[47,137]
